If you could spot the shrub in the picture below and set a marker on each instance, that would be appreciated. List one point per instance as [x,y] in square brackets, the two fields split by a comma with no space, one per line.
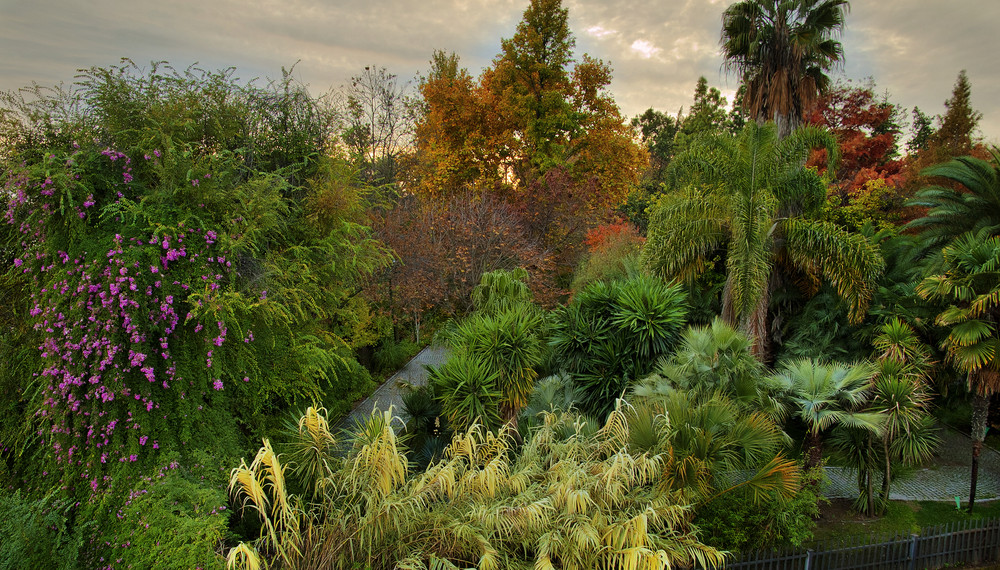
[739,524]
[391,355]
[175,518]
[614,332]
[38,533]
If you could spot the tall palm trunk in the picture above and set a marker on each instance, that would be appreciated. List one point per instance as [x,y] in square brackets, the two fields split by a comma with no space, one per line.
[980,408]
[813,452]
[786,123]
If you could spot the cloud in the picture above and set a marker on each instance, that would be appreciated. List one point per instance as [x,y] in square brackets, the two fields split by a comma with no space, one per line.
[645,49]
[913,48]
[599,32]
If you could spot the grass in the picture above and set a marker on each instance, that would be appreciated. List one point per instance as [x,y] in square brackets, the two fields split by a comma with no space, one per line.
[837,520]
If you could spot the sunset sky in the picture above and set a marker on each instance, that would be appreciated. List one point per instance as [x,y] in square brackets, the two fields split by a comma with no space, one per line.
[912,48]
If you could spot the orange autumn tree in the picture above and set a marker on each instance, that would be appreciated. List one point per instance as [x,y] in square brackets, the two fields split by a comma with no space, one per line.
[537,129]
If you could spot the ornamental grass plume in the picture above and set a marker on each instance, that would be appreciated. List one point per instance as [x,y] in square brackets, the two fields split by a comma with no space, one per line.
[571,497]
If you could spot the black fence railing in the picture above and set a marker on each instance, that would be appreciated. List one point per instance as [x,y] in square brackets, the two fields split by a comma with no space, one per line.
[963,542]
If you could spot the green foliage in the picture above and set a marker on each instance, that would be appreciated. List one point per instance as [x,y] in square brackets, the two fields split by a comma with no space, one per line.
[750,193]
[709,360]
[39,533]
[717,446]
[190,249]
[501,291]
[739,524]
[820,329]
[822,396]
[427,429]
[503,339]
[176,518]
[956,132]
[613,333]
[468,391]
[391,355]
[969,201]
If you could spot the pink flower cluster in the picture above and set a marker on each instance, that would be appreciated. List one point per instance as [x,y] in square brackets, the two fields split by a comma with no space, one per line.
[111,320]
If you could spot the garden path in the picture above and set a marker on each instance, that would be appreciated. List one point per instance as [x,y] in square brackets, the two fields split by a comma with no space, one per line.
[388,393]
[947,475]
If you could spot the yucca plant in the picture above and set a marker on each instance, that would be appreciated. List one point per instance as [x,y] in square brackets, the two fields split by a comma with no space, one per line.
[614,332]
[468,391]
[509,347]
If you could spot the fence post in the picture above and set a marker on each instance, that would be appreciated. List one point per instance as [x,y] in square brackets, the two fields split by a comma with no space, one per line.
[913,552]
[809,555]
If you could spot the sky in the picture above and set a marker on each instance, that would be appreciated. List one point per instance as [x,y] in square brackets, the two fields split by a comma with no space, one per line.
[913,49]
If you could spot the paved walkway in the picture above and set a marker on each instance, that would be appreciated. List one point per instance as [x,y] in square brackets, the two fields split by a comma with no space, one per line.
[388,393]
[947,476]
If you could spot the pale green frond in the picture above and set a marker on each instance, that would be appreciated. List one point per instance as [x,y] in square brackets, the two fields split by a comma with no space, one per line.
[849,261]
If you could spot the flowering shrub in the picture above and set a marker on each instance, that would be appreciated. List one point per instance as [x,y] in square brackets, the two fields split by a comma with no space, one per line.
[183,283]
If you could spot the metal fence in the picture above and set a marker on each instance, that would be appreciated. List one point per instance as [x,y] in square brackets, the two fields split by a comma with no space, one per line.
[963,542]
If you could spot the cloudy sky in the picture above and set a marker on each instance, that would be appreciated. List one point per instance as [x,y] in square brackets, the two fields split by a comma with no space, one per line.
[912,48]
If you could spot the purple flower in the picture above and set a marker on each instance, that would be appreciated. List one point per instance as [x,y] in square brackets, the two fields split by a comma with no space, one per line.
[217,384]
[17,263]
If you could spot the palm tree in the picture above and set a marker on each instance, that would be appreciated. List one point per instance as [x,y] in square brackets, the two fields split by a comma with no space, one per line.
[613,333]
[824,396]
[714,359]
[971,283]
[755,196]
[781,50]
[969,204]
[715,445]
[900,396]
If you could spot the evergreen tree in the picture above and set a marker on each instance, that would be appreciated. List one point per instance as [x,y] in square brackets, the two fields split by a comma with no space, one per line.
[923,130]
[954,136]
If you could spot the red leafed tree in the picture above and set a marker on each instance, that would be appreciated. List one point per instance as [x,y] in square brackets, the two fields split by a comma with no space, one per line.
[558,210]
[442,249]
[866,128]
[604,235]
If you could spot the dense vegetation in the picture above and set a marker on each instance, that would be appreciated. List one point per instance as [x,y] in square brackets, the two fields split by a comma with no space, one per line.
[659,331]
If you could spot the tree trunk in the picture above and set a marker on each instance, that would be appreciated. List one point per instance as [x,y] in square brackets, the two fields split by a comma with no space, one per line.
[756,324]
[786,124]
[980,408]
[887,476]
[728,313]
[814,452]
[871,492]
